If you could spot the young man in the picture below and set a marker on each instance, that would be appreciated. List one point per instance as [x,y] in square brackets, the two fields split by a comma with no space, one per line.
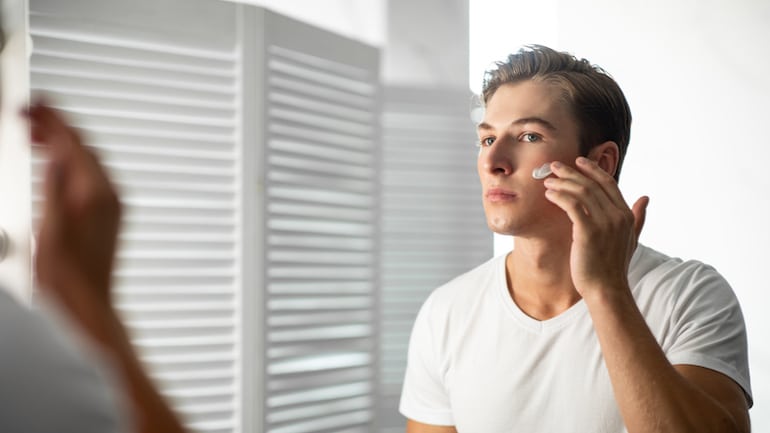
[578,328]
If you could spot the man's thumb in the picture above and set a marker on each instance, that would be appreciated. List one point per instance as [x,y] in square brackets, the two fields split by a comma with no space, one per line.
[640,213]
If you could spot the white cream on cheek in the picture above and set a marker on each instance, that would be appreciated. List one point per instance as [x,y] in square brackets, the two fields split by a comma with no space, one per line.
[543,171]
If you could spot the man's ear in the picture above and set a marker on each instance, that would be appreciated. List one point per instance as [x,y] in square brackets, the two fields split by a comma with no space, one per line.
[607,156]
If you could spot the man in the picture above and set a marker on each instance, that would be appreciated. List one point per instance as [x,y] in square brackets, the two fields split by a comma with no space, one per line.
[578,328]
[51,379]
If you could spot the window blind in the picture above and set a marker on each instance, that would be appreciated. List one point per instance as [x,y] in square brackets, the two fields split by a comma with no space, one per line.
[158,102]
[433,225]
[321,198]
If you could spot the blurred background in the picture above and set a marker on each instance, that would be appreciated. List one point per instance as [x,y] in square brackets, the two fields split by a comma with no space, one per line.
[299,175]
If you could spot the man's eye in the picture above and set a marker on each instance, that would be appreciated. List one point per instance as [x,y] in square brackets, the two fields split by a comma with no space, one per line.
[530,138]
[486,141]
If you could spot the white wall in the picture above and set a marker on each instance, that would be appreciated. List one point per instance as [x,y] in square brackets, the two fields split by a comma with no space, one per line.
[364,20]
[427,44]
[696,76]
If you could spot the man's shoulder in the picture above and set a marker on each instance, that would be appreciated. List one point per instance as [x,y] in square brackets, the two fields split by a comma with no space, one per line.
[649,262]
[464,289]
[469,282]
[653,273]
[40,348]
[16,321]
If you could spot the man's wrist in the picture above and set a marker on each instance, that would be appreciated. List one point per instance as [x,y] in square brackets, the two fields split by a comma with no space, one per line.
[608,296]
[89,307]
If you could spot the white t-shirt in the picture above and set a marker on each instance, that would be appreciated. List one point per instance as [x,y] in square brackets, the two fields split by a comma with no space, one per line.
[477,362]
[49,382]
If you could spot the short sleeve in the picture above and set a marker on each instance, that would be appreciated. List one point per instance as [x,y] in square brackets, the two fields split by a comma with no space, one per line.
[424,398]
[708,327]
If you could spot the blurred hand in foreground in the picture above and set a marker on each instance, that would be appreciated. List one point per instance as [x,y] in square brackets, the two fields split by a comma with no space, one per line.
[75,255]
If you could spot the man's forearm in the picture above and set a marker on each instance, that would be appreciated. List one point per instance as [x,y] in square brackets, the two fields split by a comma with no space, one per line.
[651,394]
[152,414]
[100,323]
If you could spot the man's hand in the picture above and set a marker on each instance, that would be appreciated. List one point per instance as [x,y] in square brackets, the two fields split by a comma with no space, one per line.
[605,231]
[76,249]
[79,227]
[652,394]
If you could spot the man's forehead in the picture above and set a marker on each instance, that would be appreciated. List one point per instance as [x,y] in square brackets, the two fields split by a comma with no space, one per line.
[525,102]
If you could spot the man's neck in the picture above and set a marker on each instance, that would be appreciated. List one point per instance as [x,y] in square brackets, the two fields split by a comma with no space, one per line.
[538,276]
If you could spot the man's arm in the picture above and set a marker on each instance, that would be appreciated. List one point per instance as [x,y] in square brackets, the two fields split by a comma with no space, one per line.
[652,394]
[75,254]
[418,427]
[728,393]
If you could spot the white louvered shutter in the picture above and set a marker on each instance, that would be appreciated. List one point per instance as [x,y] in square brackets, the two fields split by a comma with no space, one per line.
[433,225]
[322,202]
[154,86]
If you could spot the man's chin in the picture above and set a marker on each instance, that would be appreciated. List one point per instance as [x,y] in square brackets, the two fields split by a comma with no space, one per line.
[501,227]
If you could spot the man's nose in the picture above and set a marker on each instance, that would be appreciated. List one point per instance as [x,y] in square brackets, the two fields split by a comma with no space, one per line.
[499,158]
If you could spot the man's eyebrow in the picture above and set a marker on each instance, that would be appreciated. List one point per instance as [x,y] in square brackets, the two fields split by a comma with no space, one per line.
[484,126]
[539,120]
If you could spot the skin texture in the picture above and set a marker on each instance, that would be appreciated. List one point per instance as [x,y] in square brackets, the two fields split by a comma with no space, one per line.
[76,250]
[575,235]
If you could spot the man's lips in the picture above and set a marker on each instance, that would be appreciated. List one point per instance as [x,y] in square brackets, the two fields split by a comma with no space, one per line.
[500,195]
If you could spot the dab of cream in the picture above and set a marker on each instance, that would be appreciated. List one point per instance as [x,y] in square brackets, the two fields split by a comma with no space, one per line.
[543,171]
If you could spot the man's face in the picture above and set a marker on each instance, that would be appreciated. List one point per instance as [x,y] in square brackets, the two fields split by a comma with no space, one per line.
[525,125]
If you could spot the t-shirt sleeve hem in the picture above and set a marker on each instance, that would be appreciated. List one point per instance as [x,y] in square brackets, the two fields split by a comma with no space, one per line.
[427,416]
[716,365]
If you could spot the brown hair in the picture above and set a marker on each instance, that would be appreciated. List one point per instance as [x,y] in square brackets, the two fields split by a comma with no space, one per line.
[595,99]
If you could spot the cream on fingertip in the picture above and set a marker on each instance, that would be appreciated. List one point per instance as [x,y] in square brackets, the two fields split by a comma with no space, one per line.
[543,171]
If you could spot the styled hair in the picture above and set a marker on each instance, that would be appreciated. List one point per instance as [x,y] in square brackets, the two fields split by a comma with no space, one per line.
[594,98]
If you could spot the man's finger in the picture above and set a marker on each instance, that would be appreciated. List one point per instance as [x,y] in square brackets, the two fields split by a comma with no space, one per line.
[570,180]
[608,183]
[640,213]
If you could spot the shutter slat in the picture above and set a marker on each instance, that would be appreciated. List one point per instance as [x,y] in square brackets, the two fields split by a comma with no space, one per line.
[108,87]
[321,242]
[318,318]
[311,394]
[332,140]
[319,106]
[315,151]
[96,30]
[66,46]
[318,77]
[141,108]
[128,71]
[313,165]
[302,88]
[97,73]
[66,53]
[324,123]
[320,63]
